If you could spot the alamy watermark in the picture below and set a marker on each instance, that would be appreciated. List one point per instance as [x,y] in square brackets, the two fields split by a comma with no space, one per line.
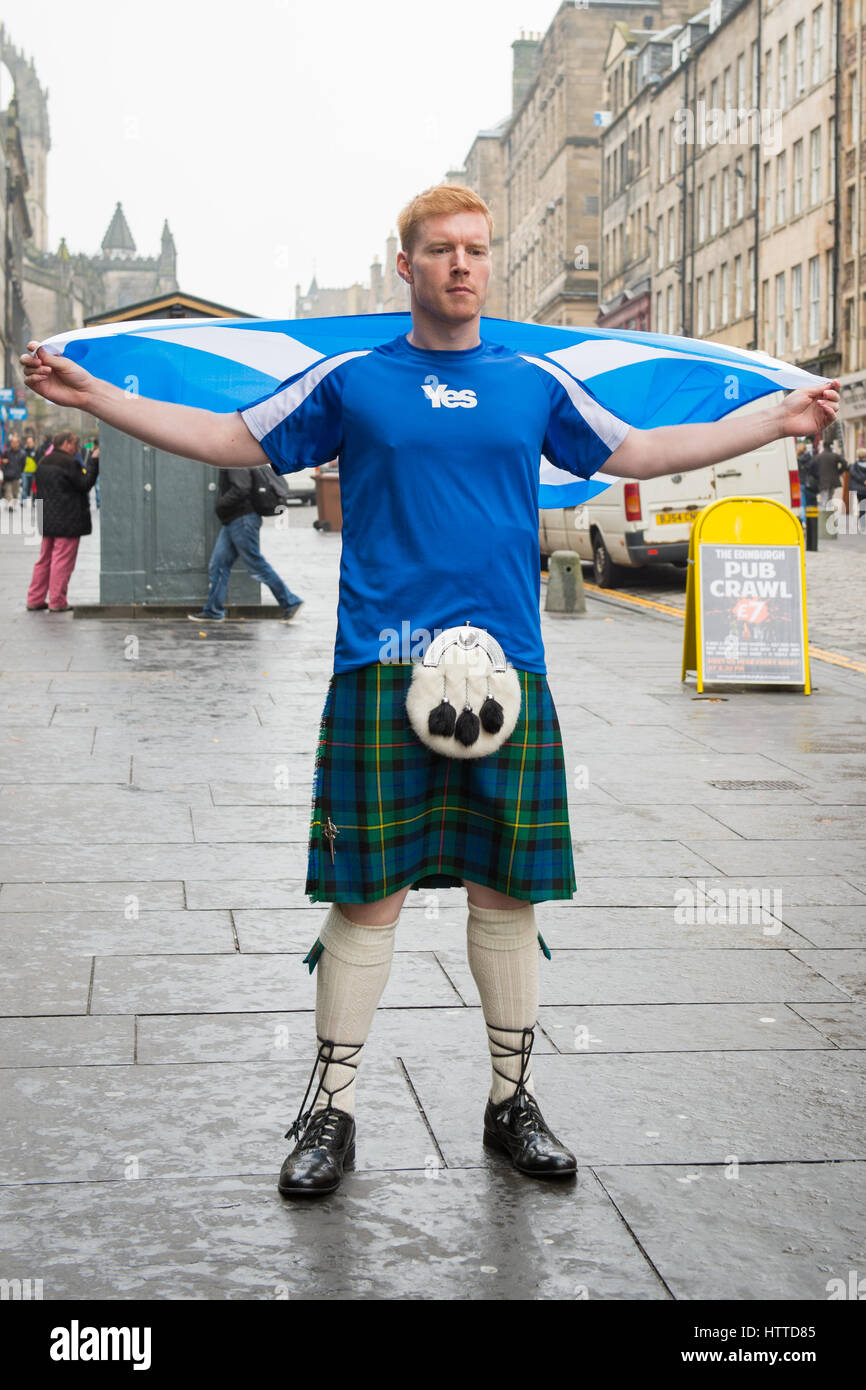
[23,520]
[718,907]
[729,125]
[850,523]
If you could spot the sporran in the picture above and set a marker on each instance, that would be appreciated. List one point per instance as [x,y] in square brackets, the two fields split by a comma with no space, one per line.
[464,697]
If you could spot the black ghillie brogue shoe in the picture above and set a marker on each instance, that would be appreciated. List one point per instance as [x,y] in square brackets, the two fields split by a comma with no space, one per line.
[516,1126]
[326,1137]
[325,1148]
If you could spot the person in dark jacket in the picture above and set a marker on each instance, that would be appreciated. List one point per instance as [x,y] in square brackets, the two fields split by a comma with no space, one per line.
[858,480]
[830,466]
[63,484]
[239,539]
[44,448]
[13,467]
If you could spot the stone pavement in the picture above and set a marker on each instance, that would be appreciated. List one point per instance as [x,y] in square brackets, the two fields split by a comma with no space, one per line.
[158,1026]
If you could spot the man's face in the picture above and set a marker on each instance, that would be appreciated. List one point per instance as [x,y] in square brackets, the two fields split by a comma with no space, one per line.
[14,441]
[70,446]
[449,265]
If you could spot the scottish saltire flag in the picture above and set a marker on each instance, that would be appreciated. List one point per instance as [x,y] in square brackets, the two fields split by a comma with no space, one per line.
[646,379]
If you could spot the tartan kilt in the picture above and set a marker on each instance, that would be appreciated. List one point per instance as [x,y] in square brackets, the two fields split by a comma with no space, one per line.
[409,816]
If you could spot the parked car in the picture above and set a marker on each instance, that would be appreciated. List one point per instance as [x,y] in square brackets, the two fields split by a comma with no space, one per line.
[634,524]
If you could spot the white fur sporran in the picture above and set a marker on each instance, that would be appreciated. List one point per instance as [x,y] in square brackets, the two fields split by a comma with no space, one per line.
[464,697]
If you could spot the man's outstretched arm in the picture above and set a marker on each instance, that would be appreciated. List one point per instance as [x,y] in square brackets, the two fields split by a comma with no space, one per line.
[680,448]
[207,435]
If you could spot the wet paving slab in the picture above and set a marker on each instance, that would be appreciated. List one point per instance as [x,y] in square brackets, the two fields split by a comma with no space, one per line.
[643,1028]
[844,968]
[747,1231]
[87,1123]
[161,859]
[127,931]
[388,1234]
[56,1041]
[399,1033]
[667,976]
[671,1107]
[86,895]
[206,984]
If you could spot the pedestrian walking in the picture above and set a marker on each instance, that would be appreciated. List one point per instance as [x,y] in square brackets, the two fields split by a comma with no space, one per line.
[830,467]
[808,475]
[29,475]
[63,484]
[13,466]
[91,450]
[858,481]
[240,539]
[439,435]
[45,447]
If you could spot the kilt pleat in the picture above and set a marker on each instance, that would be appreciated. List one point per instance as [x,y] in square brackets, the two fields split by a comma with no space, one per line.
[406,815]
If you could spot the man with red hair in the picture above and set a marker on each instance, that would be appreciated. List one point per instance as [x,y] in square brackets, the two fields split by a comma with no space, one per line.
[440,436]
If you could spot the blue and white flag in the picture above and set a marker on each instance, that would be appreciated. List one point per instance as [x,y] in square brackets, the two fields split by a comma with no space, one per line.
[647,379]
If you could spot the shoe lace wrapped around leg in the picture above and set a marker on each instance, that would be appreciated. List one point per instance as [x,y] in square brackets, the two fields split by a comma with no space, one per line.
[522,1101]
[311,1127]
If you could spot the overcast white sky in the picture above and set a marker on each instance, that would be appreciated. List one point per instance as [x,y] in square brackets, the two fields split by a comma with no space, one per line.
[274,135]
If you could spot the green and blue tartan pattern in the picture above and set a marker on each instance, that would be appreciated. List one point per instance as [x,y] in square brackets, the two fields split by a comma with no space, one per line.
[406,815]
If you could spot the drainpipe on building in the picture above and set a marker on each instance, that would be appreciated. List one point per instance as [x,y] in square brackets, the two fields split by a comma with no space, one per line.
[689,60]
[837,230]
[756,276]
[508,265]
[685,319]
[601,206]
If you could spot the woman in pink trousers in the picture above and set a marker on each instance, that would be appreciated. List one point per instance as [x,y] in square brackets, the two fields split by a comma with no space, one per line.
[63,486]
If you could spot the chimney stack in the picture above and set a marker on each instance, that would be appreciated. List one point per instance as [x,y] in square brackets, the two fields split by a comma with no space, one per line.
[524,67]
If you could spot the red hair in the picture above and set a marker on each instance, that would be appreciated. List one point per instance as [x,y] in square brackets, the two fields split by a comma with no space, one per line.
[442,198]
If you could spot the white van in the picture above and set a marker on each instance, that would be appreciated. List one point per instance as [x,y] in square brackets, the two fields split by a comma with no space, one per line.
[648,523]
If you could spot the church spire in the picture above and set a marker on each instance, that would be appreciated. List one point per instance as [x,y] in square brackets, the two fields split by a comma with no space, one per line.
[118,243]
[167,260]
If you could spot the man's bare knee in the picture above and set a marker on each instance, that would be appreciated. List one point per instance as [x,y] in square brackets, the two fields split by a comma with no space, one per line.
[377,914]
[483,896]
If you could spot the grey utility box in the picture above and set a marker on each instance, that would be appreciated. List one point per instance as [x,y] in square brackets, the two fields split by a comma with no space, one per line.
[158,526]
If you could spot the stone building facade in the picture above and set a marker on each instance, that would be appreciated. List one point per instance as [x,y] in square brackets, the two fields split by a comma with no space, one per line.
[545,177]
[15,228]
[719,173]
[485,169]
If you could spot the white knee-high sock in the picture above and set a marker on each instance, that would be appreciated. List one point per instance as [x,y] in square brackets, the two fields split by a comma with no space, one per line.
[352,972]
[502,947]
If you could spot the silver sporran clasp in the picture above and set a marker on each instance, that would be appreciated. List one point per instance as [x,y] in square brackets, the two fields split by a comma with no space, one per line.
[464,698]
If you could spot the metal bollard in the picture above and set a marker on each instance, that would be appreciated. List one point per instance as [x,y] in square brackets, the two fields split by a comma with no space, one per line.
[829,533]
[565,592]
[811,528]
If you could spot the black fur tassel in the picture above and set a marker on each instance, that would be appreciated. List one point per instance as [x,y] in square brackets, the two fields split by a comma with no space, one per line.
[492,715]
[442,719]
[466,731]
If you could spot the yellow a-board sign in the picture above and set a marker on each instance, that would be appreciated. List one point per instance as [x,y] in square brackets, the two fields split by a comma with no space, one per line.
[746,596]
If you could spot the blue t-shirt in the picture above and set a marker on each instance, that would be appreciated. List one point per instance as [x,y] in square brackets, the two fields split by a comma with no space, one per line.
[439,473]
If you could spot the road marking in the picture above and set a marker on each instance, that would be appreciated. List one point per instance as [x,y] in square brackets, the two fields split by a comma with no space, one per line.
[836,659]
[636,598]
